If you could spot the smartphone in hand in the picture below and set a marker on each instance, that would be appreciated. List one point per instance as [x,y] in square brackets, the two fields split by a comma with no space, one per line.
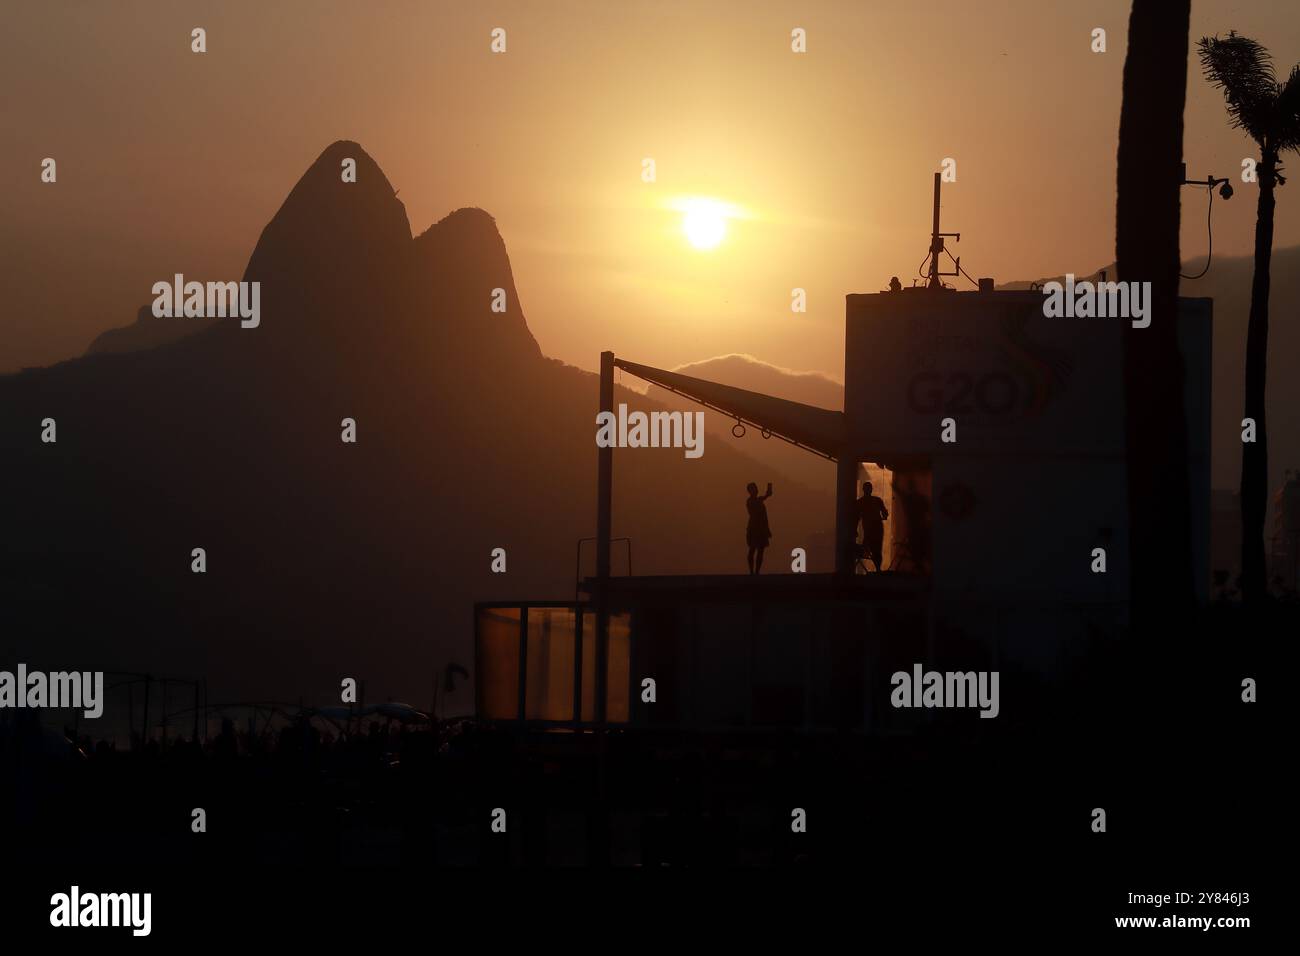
[769,487]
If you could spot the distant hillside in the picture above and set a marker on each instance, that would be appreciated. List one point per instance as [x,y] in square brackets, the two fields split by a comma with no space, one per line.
[147,332]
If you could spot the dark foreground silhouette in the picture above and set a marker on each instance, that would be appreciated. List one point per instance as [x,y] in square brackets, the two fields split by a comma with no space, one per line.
[1151,728]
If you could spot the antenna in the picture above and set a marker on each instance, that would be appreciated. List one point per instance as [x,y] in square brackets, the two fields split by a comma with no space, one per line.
[936,244]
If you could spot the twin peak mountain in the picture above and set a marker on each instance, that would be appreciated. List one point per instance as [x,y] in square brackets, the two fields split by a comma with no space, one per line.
[339,268]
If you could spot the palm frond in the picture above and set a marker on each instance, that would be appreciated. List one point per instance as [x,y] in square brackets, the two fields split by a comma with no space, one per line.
[1286,113]
[1243,69]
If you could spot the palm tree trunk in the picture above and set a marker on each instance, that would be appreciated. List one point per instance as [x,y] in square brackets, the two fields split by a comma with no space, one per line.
[1161,579]
[1254,455]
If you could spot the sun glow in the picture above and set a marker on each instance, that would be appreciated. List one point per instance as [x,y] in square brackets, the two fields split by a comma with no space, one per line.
[704,223]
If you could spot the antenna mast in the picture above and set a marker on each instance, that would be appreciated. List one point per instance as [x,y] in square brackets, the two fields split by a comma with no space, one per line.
[936,244]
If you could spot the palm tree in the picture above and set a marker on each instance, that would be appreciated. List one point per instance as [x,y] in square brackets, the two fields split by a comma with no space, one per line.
[1161,576]
[1269,111]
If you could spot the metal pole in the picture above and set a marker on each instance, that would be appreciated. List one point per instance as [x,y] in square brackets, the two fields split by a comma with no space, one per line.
[846,493]
[599,819]
[604,520]
[144,723]
[936,243]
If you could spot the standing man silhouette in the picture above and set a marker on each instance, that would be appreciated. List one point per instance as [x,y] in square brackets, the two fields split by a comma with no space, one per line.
[758,533]
[872,514]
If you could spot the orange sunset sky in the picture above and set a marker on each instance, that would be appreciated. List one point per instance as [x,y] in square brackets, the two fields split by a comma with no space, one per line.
[170,161]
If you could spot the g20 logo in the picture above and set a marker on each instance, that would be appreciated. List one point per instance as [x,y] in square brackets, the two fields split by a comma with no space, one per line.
[957,393]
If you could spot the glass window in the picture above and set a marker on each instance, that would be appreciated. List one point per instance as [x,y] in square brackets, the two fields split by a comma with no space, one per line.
[618,667]
[549,691]
[620,664]
[498,663]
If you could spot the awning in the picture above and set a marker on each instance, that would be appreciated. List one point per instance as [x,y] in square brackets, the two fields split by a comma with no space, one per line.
[817,429]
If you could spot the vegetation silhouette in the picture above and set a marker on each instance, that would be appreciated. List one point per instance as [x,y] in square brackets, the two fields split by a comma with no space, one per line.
[1268,109]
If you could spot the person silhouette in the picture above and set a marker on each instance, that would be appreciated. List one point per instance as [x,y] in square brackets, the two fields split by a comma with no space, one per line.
[758,533]
[872,514]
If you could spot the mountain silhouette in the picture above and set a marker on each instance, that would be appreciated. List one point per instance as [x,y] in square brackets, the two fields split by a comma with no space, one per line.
[147,332]
[328,560]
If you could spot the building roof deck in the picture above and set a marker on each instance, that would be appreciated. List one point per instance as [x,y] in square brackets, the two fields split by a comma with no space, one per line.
[763,587]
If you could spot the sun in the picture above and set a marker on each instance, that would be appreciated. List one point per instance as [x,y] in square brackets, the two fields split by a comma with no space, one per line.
[705,222]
